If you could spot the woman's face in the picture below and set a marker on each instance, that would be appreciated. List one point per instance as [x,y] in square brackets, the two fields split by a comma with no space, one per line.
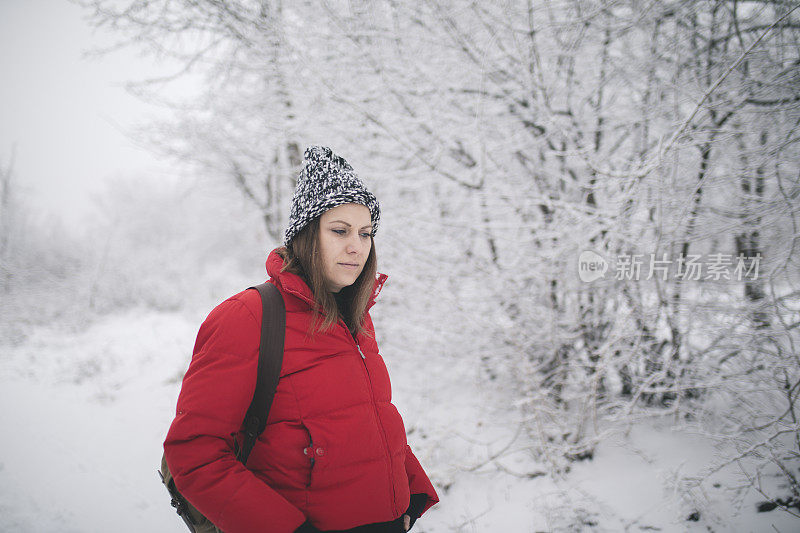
[345,239]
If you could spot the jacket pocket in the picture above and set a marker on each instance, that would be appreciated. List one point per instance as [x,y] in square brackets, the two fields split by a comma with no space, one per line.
[310,453]
[278,457]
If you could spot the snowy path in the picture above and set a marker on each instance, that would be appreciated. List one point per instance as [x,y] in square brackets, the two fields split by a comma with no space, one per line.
[83,420]
[84,415]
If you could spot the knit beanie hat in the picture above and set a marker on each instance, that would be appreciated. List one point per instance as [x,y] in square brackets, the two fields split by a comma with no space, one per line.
[326,181]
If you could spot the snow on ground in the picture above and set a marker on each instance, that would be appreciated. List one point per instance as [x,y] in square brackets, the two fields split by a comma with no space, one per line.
[84,415]
[83,419]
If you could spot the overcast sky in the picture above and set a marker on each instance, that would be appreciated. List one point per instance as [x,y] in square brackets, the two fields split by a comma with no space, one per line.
[67,114]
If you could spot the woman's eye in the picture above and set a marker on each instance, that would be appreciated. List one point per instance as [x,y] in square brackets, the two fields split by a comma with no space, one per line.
[366,235]
[339,231]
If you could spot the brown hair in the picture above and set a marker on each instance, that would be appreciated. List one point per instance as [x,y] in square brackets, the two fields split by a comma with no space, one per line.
[302,258]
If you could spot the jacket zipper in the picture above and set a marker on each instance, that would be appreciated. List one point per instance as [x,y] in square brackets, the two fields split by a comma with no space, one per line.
[377,418]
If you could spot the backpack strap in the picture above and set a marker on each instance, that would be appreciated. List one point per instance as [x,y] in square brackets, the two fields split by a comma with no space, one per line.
[270,359]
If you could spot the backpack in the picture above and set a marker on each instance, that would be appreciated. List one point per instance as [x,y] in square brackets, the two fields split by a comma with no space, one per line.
[270,359]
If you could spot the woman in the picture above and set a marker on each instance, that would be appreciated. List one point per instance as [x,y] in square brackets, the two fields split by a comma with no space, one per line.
[333,456]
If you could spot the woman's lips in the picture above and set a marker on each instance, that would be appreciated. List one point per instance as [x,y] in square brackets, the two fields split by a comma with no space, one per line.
[350,265]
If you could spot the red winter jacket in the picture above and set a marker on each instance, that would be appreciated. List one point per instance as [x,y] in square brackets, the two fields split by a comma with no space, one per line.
[334,450]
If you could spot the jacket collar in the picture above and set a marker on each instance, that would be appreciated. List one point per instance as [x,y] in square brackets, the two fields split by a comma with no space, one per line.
[294,284]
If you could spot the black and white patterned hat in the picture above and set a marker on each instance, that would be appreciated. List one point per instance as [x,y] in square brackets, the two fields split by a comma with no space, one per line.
[326,181]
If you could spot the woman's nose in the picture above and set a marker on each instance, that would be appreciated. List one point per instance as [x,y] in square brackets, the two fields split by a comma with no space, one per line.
[354,244]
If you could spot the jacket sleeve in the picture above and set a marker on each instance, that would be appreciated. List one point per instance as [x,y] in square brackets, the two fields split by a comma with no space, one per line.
[419,482]
[215,394]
